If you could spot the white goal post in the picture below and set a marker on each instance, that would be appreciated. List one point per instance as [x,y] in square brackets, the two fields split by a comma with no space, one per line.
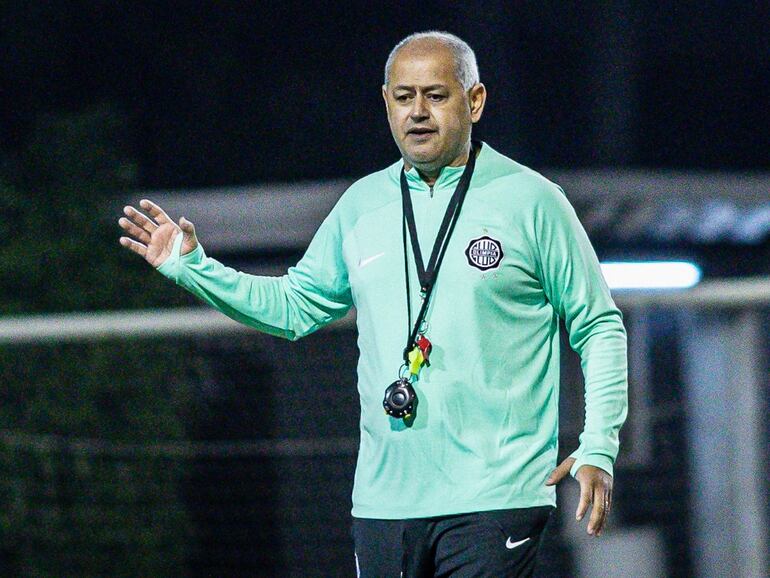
[202,321]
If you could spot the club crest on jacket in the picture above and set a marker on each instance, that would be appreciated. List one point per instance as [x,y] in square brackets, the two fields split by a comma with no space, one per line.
[484,253]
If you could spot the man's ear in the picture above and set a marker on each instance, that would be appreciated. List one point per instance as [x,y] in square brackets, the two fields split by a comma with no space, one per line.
[385,97]
[477,97]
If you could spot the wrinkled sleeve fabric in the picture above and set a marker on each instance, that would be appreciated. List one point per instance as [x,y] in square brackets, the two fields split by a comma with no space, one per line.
[310,295]
[574,285]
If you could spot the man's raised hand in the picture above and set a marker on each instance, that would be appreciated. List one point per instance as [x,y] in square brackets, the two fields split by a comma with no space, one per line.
[595,491]
[152,235]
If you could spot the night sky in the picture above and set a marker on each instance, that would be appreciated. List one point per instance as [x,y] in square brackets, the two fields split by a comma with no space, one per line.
[219,93]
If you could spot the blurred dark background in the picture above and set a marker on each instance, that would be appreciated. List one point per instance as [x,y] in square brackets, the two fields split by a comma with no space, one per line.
[225,93]
[184,453]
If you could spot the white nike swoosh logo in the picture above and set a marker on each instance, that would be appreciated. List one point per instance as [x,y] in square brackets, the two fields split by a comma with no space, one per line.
[364,262]
[511,545]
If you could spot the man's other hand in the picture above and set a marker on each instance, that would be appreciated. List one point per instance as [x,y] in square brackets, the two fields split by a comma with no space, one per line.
[595,489]
[152,235]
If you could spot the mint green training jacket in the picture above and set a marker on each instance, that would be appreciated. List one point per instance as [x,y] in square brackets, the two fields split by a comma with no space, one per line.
[486,427]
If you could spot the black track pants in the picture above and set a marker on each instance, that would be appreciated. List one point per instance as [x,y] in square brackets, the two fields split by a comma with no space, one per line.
[497,544]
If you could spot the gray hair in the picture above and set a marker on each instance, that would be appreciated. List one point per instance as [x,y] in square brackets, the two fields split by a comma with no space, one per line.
[466,69]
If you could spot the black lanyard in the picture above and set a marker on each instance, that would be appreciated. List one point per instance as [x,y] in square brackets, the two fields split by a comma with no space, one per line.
[427,277]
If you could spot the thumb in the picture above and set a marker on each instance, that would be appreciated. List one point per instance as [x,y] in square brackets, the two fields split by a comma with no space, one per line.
[187,227]
[559,472]
[189,240]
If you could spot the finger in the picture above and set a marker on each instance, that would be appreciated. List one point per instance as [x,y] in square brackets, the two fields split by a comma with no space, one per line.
[585,501]
[137,248]
[136,232]
[559,472]
[155,211]
[140,219]
[606,513]
[598,510]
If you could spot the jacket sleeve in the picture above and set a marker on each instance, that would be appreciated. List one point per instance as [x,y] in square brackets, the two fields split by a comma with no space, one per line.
[310,295]
[573,283]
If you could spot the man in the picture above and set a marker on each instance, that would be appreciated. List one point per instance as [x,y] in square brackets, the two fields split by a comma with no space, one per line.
[460,263]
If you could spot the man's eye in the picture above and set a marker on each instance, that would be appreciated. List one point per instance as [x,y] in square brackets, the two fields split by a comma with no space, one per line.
[402,97]
[436,97]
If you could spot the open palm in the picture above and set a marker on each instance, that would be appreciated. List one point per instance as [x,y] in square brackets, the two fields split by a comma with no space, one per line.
[152,235]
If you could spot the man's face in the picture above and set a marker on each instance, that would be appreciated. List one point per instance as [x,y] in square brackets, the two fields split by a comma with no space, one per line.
[429,112]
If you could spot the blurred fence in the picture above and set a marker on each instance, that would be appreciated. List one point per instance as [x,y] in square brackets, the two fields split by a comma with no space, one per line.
[257,481]
[257,484]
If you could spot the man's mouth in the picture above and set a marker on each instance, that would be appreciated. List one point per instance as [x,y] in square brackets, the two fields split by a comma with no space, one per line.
[420,131]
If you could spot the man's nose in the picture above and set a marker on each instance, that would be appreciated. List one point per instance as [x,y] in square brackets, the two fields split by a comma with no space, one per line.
[419,109]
